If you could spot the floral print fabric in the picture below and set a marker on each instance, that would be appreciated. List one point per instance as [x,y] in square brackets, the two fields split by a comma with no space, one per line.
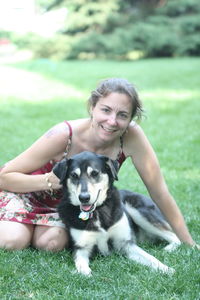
[38,208]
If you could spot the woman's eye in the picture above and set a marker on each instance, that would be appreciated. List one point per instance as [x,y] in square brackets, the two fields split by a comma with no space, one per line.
[106,110]
[123,116]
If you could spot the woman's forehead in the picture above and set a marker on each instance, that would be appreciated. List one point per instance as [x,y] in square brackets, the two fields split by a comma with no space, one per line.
[113,100]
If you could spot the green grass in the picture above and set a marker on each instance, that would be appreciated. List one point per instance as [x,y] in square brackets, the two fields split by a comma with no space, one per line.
[37,94]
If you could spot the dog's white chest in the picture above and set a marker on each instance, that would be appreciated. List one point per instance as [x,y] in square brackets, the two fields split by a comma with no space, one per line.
[88,239]
[102,240]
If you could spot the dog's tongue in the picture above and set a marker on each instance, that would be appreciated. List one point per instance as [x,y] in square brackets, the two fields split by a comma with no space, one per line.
[86,207]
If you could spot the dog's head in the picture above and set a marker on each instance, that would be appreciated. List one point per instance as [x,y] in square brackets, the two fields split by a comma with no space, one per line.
[87,177]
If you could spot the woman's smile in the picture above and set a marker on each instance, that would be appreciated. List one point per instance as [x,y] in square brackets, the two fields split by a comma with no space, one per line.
[108,129]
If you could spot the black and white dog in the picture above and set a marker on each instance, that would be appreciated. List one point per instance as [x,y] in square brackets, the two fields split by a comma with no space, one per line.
[98,216]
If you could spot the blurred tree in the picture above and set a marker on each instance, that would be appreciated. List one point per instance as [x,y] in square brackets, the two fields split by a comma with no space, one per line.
[100,15]
[123,28]
[50,4]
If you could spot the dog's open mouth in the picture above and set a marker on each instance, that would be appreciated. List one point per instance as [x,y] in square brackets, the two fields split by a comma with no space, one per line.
[88,208]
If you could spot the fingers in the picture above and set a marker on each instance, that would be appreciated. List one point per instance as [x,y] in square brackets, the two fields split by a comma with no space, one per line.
[54,181]
[196,246]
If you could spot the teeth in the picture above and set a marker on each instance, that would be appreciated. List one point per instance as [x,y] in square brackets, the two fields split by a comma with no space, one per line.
[88,208]
[109,129]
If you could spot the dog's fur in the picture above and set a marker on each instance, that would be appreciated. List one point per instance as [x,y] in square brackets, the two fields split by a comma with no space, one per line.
[98,216]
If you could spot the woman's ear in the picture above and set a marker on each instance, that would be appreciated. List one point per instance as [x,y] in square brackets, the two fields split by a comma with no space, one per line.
[91,111]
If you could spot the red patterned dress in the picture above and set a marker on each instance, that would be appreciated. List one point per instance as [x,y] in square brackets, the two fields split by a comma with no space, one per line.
[37,208]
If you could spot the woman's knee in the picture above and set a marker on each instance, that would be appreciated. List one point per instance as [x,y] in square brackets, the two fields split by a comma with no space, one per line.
[50,238]
[15,236]
[51,244]
[14,243]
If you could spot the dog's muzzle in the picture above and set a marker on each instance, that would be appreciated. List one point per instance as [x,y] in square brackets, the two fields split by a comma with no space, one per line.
[84,197]
[87,209]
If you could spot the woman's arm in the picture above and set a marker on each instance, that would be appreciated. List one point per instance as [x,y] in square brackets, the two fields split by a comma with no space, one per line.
[14,176]
[147,165]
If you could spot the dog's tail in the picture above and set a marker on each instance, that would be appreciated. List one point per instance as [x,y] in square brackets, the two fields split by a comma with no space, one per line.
[147,216]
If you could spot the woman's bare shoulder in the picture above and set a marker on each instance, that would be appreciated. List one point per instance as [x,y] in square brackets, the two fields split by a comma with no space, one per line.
[135,130]
[135,138]
[61,132]
[58,130]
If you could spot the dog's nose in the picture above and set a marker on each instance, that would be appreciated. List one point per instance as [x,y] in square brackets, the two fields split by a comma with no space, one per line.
[84,197]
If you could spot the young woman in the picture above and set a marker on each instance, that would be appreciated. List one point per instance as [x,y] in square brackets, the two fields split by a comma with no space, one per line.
[30,191]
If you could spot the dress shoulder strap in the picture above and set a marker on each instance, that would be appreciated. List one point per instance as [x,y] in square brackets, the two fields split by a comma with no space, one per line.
[67,149]
[70,128]
[121,156]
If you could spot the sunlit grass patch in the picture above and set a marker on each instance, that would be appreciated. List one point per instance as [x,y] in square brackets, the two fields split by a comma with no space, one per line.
[32,87]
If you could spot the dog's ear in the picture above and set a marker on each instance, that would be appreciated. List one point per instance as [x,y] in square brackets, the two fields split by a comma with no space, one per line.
[60,169]
[113,166]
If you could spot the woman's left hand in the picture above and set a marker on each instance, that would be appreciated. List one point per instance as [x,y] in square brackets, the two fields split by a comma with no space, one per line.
[196,246]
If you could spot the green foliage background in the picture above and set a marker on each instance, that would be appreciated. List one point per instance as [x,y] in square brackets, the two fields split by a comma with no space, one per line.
[118,29]
[122,29]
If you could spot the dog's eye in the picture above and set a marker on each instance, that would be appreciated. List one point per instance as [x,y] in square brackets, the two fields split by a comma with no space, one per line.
[74,175]
[94,174]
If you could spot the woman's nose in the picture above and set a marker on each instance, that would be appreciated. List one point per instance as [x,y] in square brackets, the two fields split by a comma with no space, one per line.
[112,120]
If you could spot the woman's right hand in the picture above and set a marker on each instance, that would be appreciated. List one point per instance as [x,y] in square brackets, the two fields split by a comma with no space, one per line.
[52,181]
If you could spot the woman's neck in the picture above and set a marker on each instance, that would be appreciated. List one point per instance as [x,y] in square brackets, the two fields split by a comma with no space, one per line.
[95,143]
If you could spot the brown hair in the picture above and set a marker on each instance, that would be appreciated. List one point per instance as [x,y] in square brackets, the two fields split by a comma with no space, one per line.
[117,85]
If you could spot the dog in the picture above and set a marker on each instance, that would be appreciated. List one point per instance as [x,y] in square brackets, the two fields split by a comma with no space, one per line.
[100,217]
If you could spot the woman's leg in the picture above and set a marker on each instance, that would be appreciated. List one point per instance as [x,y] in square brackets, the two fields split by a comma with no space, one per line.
[14,235]
[17,236]
[49,238]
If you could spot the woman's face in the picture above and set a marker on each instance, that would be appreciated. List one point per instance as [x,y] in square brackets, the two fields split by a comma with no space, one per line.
[112,115]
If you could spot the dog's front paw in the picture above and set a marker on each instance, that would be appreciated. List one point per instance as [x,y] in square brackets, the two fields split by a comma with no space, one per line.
[171,247]
[171,271]
[83,269]
[167,270]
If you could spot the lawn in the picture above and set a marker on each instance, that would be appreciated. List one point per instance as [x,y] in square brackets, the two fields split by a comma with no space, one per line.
[35,95]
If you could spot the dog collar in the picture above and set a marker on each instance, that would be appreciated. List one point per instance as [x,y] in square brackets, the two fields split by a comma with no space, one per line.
[84,215]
